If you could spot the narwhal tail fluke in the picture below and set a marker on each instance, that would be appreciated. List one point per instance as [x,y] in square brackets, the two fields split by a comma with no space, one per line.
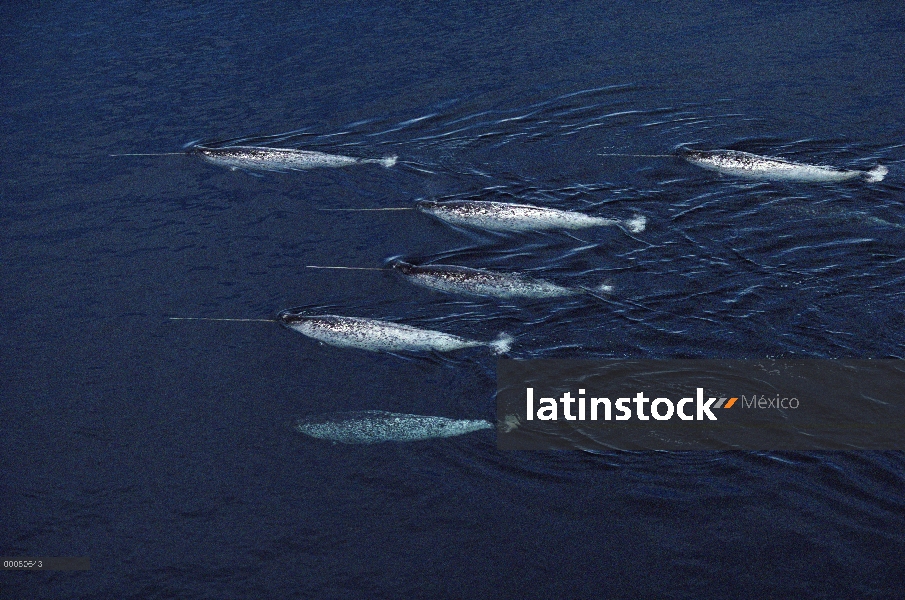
[386,161]
[876,174]
[603,288]
[502,343]
[636,224]
[601,292]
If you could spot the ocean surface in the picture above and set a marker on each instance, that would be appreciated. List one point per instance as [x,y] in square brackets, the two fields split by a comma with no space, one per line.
[163,450]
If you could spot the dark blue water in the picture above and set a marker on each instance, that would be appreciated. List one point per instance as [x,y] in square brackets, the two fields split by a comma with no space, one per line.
[162,449]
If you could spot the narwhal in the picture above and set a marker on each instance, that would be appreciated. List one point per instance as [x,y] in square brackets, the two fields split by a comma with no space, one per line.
[373,426]
[478,282]
[280,159]
[753,166]
[371,334]
[505,216]
[262,158]
[382,336]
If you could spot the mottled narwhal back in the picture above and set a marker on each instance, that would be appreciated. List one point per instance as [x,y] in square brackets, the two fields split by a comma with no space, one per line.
[382,336]
[374,426]
[261,158]
[505,216]
[479,282]
[754,166]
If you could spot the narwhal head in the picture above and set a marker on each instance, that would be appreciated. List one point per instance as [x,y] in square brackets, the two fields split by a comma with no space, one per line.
[197,149]
[690,153]
[291,317]
[427,206]
[402,266]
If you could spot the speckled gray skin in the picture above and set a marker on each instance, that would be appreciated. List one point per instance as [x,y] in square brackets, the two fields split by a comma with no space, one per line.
[278,159]
[478,282]
[752,166]
[382,336]
[503,216]
[373,426]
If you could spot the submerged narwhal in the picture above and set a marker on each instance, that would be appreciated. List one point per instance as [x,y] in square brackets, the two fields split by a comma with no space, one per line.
[480,282]
[261,158]
[753,166]
[373,426]
[382,336]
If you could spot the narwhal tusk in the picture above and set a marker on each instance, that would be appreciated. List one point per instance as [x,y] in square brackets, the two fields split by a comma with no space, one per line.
[361,209]
[642,155]
[152,154]
[221,319]
[346,268]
